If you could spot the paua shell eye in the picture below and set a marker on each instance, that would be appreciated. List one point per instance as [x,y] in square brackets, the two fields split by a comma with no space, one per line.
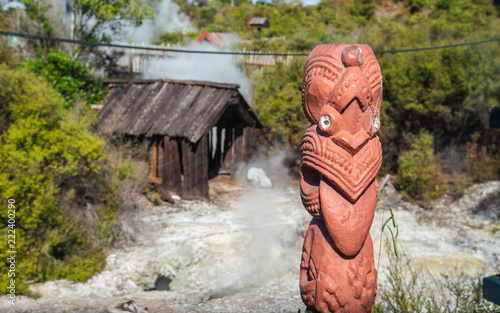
[329,121]
[325,122]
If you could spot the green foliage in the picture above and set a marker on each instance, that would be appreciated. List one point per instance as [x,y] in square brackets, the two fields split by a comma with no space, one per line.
[479,164]
[38,11]
[94,20]
[289,20]
[281,114]
[94,16]
[56,171]
[75,80]
[363,8]
[403,292]
[395,226]
[126,170]
[418,174]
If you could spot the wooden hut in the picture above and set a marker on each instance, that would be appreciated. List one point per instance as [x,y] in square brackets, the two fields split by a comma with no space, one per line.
[196,129]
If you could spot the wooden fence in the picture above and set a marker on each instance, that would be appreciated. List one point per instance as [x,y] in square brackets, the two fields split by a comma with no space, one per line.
[140,60]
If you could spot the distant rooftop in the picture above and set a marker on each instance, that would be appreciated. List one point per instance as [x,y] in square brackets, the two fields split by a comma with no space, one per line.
[259,22]
[220,40]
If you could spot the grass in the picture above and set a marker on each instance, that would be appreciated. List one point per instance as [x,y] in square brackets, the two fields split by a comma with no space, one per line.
[411,289]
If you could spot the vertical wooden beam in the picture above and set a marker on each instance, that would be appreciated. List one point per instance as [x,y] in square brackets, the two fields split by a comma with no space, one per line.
[204,167]
[249,142]
[239,142]
[154,160]
[228,161]
[161,157]
[218,152]
[171,169]
[186,165]
[195,163]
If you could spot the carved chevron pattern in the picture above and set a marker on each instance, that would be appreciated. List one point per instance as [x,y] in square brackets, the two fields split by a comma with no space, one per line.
[351,174]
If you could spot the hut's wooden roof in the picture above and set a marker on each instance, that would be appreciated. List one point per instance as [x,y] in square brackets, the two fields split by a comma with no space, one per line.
[172,108]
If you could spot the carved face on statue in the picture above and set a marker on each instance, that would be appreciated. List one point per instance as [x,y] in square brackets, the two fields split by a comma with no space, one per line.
[341,155]
[342,93]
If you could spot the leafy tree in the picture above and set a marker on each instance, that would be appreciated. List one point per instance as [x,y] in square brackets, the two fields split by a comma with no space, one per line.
[94,20]
[93,17]
[418,174]
[75,80]
[38,11]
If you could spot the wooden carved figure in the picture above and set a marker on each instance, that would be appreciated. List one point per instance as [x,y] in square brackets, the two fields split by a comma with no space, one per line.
[341,154]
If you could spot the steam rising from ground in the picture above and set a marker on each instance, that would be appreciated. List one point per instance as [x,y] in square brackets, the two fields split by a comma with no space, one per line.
[168,18]
[271,223]
[268,242]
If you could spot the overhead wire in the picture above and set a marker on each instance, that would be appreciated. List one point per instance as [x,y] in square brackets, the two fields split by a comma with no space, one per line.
[114,45]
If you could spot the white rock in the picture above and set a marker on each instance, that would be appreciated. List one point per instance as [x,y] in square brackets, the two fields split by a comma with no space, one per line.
[258,175]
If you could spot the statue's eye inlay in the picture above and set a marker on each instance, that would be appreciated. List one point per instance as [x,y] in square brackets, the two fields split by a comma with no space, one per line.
[325,121]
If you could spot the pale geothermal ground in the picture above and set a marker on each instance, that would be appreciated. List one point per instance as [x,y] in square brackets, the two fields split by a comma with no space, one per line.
[240,252]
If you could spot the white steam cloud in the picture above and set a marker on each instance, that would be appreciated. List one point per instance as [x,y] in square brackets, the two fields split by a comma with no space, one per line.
[207,67]
[168,18]
[271,223]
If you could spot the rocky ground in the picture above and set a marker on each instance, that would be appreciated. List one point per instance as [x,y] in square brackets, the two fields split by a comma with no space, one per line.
[240,251]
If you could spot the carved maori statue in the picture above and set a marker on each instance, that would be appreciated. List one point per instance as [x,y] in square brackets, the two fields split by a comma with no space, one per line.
[341,97]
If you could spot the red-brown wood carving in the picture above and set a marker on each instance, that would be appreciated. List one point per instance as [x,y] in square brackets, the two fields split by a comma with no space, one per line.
[341,154]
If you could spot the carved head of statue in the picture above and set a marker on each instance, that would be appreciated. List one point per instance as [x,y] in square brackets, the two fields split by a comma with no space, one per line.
[342,93]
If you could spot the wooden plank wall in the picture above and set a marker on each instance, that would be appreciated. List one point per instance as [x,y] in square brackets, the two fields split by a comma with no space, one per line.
[185,168]
[195,165]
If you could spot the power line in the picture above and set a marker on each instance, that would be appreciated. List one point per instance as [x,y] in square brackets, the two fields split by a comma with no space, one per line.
[440,47]
[103,44]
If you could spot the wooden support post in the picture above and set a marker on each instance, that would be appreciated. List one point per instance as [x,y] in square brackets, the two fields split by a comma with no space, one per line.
[195,163]
[249,142]
[218,152]
[171,169]
[239,146]
[160,157]
[228,162]
[154,161]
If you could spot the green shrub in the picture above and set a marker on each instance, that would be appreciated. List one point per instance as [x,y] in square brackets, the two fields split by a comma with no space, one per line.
[480,165]
[126,170]
[57,173]
[418,175]
[75,80]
